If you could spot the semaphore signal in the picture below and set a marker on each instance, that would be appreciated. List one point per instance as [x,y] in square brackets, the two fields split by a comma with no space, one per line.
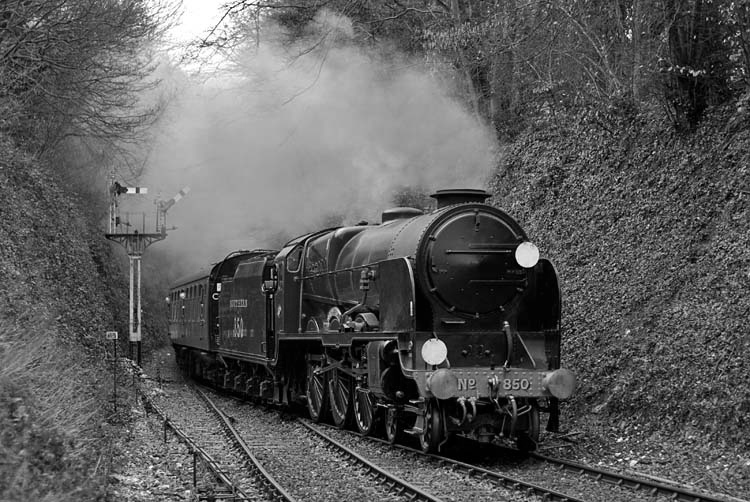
[163,206]
[135,243]
[117,189]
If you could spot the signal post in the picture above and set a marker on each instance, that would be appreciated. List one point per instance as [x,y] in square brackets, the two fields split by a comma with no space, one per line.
[135,242]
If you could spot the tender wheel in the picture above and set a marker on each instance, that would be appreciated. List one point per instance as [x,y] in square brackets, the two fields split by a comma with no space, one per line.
[432,429]
[317,394]
[393,427]
[364,410]
[340,392]
[528,440]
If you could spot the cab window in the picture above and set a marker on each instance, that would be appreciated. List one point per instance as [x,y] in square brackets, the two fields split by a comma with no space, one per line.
[294,259]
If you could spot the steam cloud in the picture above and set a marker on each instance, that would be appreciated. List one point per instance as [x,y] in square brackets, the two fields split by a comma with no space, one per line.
[291,145]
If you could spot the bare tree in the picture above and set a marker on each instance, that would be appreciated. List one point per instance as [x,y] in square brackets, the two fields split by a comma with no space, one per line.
[75,68]
[698,67]
[519,59]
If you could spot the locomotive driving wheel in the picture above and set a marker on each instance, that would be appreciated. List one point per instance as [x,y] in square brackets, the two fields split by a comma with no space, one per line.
[364,410]
[432,428]
[340,392]
[317,393]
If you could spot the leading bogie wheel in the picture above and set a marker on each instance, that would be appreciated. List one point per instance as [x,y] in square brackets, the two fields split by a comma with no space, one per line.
[432,428]
[317,393]
[340,392]
[364,410]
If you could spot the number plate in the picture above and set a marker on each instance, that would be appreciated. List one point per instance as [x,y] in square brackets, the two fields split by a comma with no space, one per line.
[515,384]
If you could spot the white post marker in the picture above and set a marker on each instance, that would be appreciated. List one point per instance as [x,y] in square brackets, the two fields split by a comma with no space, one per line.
[112,335]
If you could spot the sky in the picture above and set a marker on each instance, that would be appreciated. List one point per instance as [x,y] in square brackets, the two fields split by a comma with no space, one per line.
[198,16]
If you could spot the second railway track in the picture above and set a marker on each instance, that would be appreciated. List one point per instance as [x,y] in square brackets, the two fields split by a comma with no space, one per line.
[196,420]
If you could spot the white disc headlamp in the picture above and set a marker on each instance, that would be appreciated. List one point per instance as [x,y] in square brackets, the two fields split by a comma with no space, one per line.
[527,254]
[434,351]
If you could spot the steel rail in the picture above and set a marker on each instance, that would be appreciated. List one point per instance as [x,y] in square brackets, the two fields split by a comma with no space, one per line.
[675,492]
[669,488]
[394,483]
[547,494]
[678,493]
[509,482]
[500,479]
[212,465]
[272,487]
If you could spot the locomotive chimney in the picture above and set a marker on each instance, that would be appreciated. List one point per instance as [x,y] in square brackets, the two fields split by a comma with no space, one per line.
[453,196]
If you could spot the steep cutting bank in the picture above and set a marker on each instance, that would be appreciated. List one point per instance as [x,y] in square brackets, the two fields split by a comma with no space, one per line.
[59,282]
[650,232]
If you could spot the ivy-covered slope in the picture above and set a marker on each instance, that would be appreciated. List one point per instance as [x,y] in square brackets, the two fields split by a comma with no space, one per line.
[650,233]
[56,296]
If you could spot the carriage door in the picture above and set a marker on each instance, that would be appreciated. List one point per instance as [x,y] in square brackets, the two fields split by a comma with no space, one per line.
[269,287]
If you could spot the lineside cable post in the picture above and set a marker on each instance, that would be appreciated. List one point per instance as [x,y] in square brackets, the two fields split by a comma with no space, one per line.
[112,335]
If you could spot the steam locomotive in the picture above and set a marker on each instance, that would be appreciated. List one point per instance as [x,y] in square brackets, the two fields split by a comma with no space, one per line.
[427,324]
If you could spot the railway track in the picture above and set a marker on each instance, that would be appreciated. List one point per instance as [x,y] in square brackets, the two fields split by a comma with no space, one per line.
[314,465]
[554,479]
[210,435]
[652,487]
[424,481]
[394,483]
[359,466]
[474,481]
[299,454]
[483,485]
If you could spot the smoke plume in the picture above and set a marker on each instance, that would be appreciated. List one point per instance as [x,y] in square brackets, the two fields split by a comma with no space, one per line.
[299,138]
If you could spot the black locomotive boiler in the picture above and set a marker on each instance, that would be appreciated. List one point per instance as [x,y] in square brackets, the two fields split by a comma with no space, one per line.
[436,324]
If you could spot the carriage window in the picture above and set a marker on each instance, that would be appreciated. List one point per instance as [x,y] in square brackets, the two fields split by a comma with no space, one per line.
[202,302]
[294,259]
